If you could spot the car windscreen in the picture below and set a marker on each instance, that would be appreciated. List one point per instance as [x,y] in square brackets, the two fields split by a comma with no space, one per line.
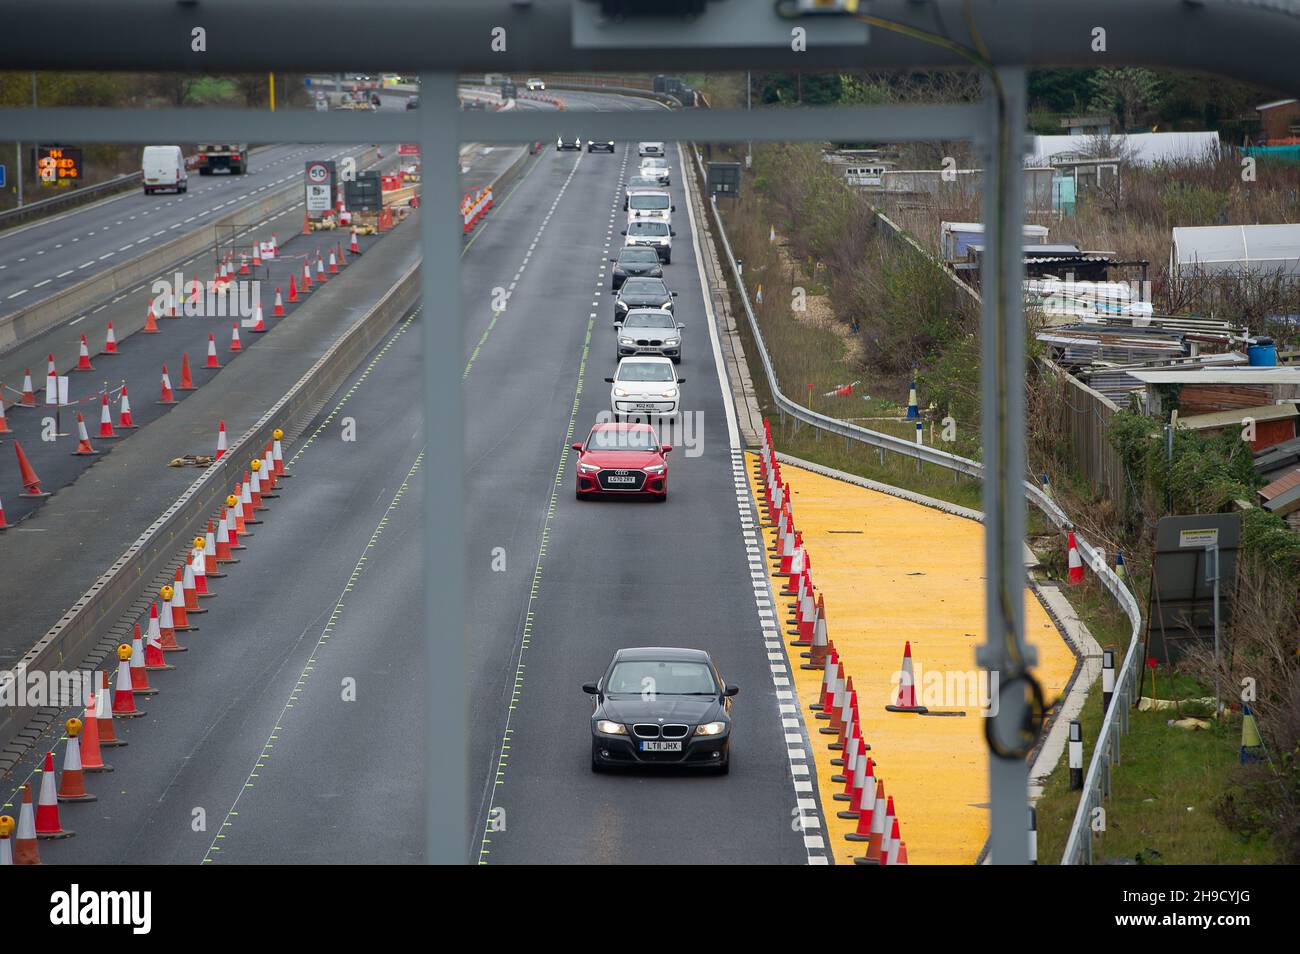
[642,182]
[649,371]
[661,678]
[638,256]
[649,202]
[645,286]
[649,319]
[654,163]
[648,228]
[615,439]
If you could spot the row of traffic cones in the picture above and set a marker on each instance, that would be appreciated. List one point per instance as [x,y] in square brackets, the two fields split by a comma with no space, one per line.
[877,825]
[87,737]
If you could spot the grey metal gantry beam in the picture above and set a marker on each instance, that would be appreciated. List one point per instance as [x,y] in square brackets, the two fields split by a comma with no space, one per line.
[1246,39]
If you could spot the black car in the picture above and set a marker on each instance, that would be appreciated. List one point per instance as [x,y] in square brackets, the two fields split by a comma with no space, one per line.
[600,145]
[562,143]
[661,706]
[412,102]
[642,293]
[633,262]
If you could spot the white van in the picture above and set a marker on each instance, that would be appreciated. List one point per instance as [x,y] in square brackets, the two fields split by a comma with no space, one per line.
[164,168]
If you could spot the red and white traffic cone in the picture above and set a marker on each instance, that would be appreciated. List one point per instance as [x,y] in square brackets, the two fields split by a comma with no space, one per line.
[293,291]
[223,539]
[259,325]
[277,453]
[277,310]
[864,786]
[199,564]
[106,420]
[871,816]
[178,619]
[48,825]
[212,361]
[123,694]
[151,323]
[321,277]
[166,396]
[162,628]
[234,521]
[246,504]
[104,713]
[83,357]
[25,848]
[210,565]
[83,439]
[1075,576]
[187,380]
[306,276]
[110,341]
[267,473]
[221,441]
[354,249]
[28,398]
[190,588]
[92,759]
[72,783]
[4,524]
[31,483]
[139,672]
[820,641]
[4,422]
[235,343]
[334,265]
[830,675]
[907,701]
[124,418]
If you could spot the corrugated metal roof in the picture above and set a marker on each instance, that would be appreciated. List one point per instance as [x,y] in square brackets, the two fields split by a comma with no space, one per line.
[1223,248]
[1145,148]
[1281,485]
[1284,503]
[1230,418]
[1246,375]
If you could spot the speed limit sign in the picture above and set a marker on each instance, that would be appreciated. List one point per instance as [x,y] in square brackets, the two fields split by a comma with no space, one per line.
[320,186]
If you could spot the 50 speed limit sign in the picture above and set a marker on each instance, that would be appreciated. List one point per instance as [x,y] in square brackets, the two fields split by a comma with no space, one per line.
[320,186]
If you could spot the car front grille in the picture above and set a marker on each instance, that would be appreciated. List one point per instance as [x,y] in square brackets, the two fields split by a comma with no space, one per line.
[675,731]
[628,480]
[649,342]
[645,730]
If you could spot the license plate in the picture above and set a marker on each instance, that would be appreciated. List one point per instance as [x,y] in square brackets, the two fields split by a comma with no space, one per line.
[620,479]
[661,746]
[641,406]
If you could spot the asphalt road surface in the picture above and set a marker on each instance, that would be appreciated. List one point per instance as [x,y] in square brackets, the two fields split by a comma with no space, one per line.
[291,729]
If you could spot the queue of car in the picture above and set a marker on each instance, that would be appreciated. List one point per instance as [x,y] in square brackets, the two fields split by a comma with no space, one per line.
[625,456]
[653,706]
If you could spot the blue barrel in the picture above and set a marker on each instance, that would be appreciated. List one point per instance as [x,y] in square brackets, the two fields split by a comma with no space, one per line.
[1262,353]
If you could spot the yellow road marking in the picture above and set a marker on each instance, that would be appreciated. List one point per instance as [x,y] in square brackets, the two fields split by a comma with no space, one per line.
[890,571]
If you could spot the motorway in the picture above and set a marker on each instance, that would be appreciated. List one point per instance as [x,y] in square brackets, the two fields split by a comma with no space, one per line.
[291,729]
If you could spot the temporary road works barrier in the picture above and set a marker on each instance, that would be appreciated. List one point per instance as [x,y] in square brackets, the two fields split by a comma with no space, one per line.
[1096,785]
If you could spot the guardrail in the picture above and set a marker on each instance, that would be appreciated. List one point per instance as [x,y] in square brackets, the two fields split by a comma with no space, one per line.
[1078,848]
[72,197]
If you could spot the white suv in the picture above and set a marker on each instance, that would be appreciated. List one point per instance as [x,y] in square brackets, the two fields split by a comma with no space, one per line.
[644,149]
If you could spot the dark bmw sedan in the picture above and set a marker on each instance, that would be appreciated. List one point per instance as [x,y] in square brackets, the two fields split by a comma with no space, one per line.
[661,706]
[634,262]
[642,293]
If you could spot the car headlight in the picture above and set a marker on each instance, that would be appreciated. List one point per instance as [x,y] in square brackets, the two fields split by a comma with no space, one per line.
[671,342]
[711,728]
[587,468]
[620,392]
[558,143]
[625,341]
[655,469]
[670,393]
[606,727]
